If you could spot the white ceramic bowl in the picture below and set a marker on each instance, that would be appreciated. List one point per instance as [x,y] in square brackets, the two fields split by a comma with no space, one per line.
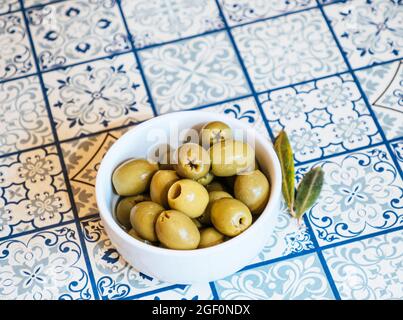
[187,266]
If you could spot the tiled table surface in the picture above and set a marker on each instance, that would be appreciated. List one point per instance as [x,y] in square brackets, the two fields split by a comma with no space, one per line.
[74,75]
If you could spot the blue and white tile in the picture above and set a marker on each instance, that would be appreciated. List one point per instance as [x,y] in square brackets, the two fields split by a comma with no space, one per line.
[288,237]
[114,277]
[96,96]
[244,110]
[83,157]
[370,269]
[9,6]
[243,11]
[300,278]
[383,85]
[45,265]
[397,148]
[194,292]
[322,117]
[369,31]
[69,32]
[23,115]
[193,73]
[287,50]
[31,3]
[158,21]
[16,58]
[33,193]
[362,194]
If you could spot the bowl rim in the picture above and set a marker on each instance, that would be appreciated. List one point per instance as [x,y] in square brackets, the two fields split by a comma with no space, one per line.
[107,216]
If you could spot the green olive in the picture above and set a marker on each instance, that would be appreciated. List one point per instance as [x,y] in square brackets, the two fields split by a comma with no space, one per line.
[160,184]
[210,237]
[175,230]
[252,189]
[213,196]
[231,157]
[230,216]
[214,132]
[206,179]
[193,161]
[143,216]
[215,186]
[189,197]
[135,235]
[124,206]
[133,177]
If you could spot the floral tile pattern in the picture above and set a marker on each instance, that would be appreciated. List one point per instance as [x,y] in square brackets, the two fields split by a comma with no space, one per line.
[383,86]
[32,192]
[71,31]
[194,292]
[369,269]
[242,11]
[97,96]
[25,122]
[193,72]
[244,110]
[397,148]
[157,21]
[369,31]
[300,278]
[288,50]
[16,54]
[9,5]
[363,194]
[82,158]
[322,117]
[43,266]
[288,238]
[30,3]
[115,279]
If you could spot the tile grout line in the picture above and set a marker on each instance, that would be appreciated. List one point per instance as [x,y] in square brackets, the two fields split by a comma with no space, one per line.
[137,58]
[244,70]
[60,155]
[322,260]
[363,95]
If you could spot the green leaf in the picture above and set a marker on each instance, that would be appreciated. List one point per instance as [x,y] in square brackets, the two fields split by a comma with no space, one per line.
[308,191]
[285,155]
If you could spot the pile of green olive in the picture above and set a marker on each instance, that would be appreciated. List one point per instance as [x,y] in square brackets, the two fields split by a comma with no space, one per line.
[203,198]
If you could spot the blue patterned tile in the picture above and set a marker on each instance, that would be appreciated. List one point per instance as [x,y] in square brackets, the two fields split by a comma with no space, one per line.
[288,237]
[242,11]
[193,72]
[298,278]
[32,192]
[158,21]
[114,277]
[82,158]
[25,122]
[322,117]
[397,148]
[362,194]
[30,3]
[369,31]
[69,32]
[383,85]
[43,266]
[288,50]
[9,5]
[16,57]
[96,96]
[370,269]
[194,292]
